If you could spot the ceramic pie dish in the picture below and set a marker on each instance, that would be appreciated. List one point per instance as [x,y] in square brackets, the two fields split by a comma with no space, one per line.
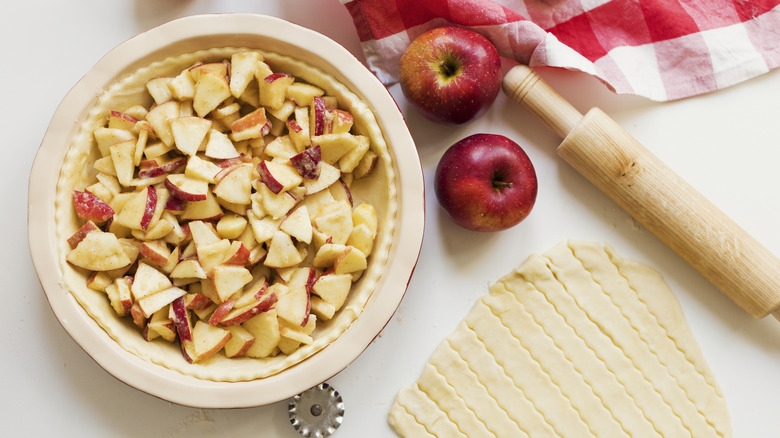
[157,369]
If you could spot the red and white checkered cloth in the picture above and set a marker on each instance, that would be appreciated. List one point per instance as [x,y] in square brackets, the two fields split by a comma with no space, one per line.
[660,49]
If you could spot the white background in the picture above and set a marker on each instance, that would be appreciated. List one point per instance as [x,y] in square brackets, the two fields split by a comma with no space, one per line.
[726,144]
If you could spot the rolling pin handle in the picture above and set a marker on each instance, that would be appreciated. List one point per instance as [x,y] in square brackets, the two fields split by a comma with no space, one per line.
[525,86]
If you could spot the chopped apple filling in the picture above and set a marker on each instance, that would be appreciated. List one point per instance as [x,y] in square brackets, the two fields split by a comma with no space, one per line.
[221,216]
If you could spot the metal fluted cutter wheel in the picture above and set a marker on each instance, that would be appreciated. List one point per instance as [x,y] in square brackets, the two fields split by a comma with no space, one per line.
[316,412]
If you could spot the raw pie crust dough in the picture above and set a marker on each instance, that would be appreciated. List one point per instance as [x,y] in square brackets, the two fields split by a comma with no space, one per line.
[377,189]
[577,342]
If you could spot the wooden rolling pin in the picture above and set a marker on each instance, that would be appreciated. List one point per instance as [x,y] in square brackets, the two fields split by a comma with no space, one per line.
[610,158]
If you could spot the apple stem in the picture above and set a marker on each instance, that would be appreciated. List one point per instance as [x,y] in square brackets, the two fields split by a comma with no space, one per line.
[502,184]
[449,67]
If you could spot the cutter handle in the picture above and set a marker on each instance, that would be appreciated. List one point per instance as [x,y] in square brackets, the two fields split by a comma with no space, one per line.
[658,198]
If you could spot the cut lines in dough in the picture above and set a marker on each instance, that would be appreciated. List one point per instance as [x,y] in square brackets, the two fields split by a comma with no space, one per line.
[574,343]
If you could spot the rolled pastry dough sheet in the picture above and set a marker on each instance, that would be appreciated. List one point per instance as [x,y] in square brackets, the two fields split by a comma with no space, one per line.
[577,342]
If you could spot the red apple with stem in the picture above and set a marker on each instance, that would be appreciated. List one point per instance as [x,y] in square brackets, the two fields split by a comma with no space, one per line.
[451,74]
[486,182]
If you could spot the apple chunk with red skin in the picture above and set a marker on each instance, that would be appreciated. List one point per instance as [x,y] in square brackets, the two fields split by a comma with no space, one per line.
[138,211]
[486,182]
[91,208]
[450,74]
[306,162]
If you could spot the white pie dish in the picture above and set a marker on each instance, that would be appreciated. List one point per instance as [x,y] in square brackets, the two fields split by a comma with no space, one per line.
[188,35]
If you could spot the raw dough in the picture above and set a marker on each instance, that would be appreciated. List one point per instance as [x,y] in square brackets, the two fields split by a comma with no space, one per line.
[577,342]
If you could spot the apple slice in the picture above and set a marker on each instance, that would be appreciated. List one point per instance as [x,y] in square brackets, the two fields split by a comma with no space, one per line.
[299,129]
[294,336]
[341,192]
[333,288]
[122,120]
[120,296]
[298,224]
[211,89]
[303,94]
[278,176]
[335,221]
[229,279]
[349,161]
[218,68]
[328,175]
[255,290]
[362,238]
[239,342]
[212,254]
[273,89]
[280,147]
[99,281]
[281,114]
[182,86]
[275,205]
[253,125]
[156,301]
[189,133]
[161,324]
[199,168]
[293,305]
[327,254]
[188,268]
[107,137]
[238,254]
[139,209]
[231,226]
[350,261]
[341,121]
[100,190]
[263,227]
[122,157]
[265,329]
[156,251]
[221,310]
[197,300]
[91,208]
[317,112]
[98,251]
[240,315]
[208,340]
[208,209]
[243,67]
[160,117]
[220,147]
[321,308]
[202,233]
[282,252]
[180,316]
[187,188]
[159,90]
[147,281]
[307,163]
[236,185]
[159,169]
[336,145]
[79,235]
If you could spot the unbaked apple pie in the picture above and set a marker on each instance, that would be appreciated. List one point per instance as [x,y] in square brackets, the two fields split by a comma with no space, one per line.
[226,213]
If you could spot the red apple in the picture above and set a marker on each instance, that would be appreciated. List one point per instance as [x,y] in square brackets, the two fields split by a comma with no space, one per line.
[450,74]
[486,182]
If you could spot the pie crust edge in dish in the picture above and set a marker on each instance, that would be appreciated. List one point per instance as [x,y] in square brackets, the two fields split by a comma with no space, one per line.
[378,189]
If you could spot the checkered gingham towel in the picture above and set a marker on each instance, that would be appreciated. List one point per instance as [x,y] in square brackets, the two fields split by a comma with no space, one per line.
[660,49]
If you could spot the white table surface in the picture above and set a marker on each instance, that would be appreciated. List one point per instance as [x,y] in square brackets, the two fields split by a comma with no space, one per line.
[726,144]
